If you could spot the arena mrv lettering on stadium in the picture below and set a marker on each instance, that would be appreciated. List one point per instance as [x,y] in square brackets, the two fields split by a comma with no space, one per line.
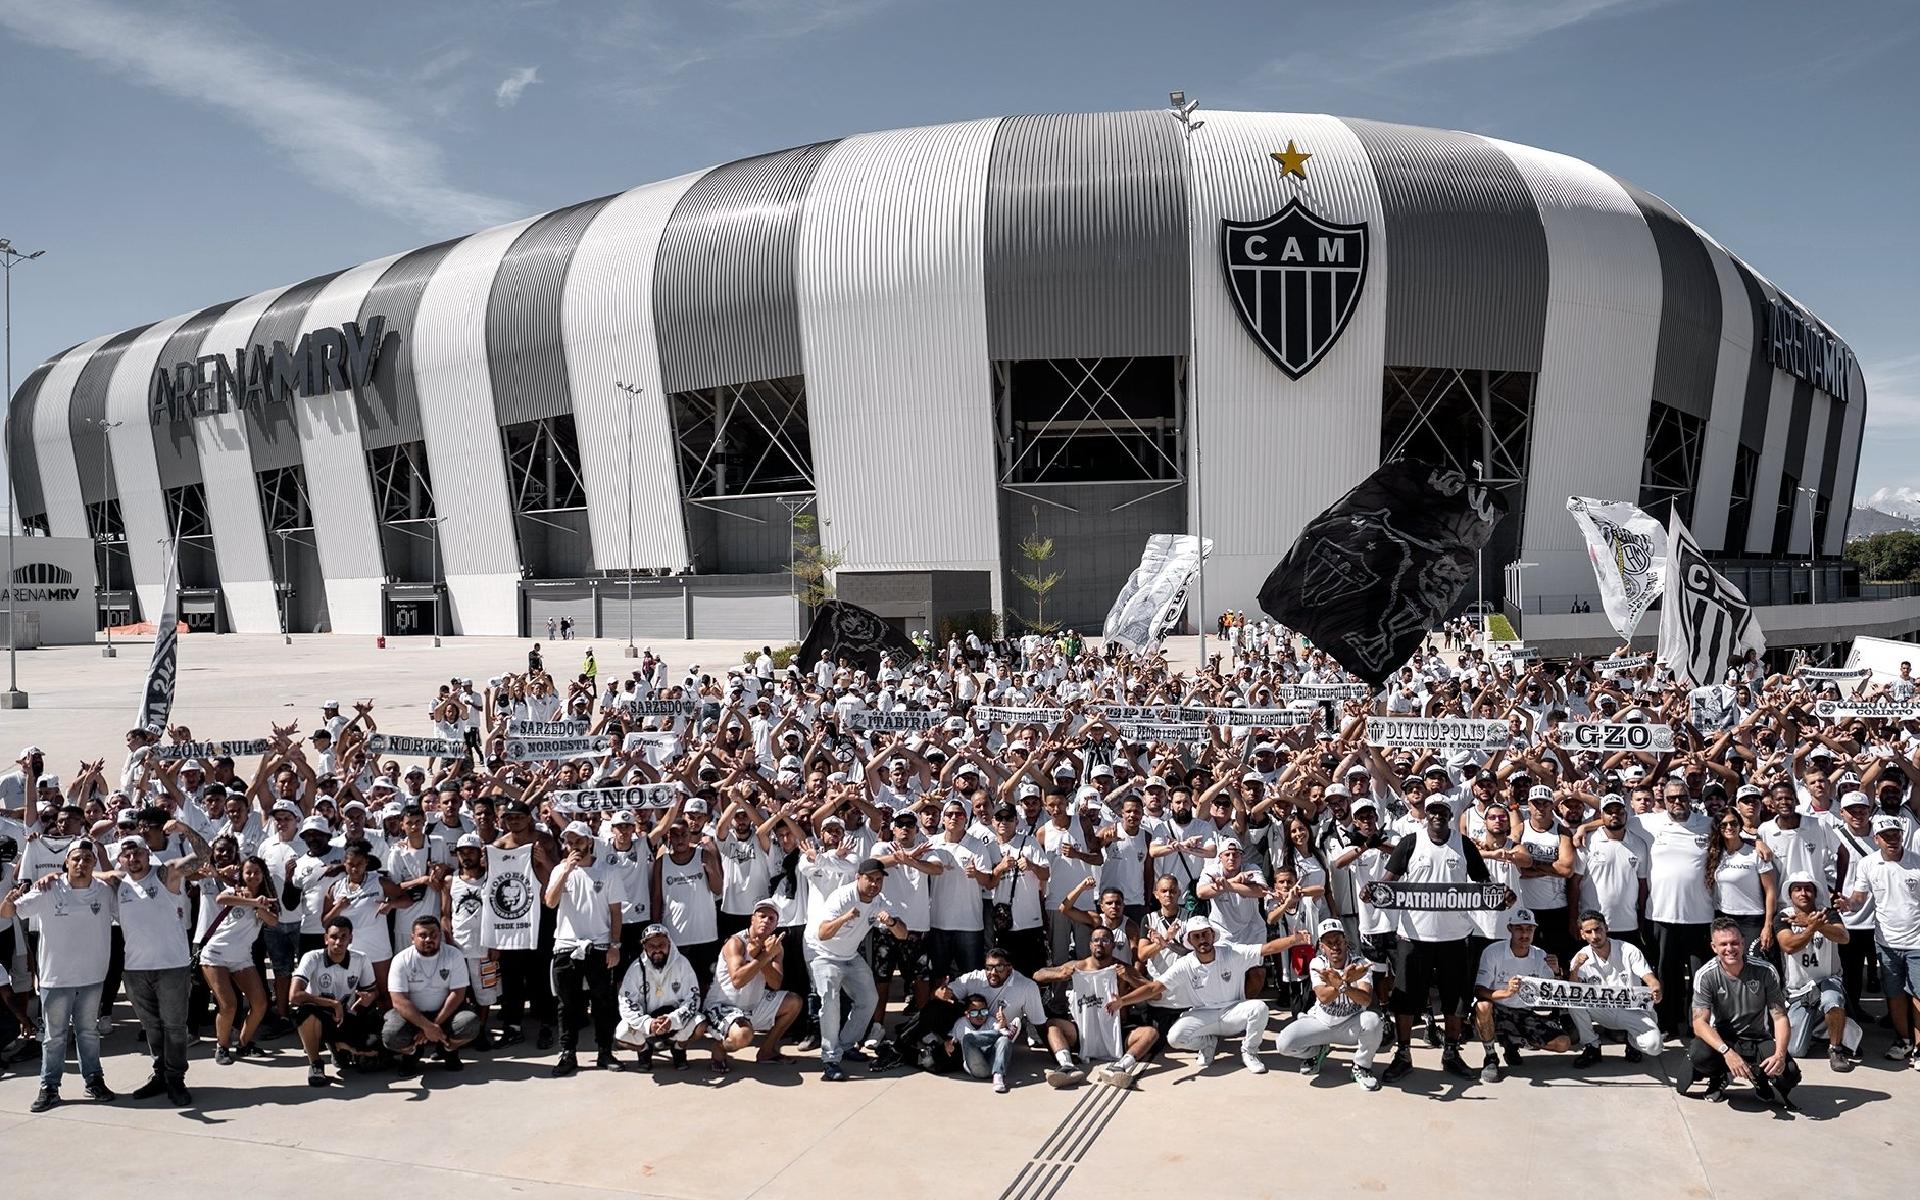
[323,361]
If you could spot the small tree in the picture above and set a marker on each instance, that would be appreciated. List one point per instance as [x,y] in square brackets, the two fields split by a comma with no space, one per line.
[812,562]
[1037,550]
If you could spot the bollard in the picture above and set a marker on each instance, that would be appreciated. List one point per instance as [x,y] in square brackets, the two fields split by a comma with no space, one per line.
[380,642]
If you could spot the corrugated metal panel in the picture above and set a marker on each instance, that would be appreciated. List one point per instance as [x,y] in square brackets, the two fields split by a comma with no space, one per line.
[1470,278]
[1087,237]
[91,450]
[524,352]
[1603,320]
[345,527]
[136,473]
[1689,351]
[233,492]
[1300,444]
[389,408]
[53,443]
[1848,476]
[723,287]
[173,444]
[545,604]
[1753,415]
[1714,498]
[272,438]
[454,387]
[606,322]
[742,615]
[1773,460]
[893,327]
[659,611]
[25,454]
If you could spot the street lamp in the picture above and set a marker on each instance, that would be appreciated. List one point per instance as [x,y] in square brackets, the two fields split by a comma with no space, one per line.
[106,573]
[633,391]
[438,585]
[286,589]
[1182,109]
[13,697]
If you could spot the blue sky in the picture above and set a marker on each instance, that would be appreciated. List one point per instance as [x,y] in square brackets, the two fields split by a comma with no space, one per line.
[172,153]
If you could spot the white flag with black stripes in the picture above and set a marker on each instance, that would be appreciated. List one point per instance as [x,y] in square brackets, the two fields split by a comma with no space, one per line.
[1705,623]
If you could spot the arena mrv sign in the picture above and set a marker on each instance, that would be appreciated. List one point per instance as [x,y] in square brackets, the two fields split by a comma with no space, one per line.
[324,360]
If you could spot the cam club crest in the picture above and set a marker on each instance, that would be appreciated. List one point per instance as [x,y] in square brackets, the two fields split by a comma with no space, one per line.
[511,896]
[1295,279]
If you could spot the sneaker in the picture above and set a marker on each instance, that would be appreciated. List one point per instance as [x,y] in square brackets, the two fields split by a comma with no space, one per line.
[47,1098]
[1398,1068]
[484,1042]
[1312,1064]
[1899,1051]
[1489,1070]
[1366,1079]
[450,1060]
[316,1075]
[1433,1032]
[1208,1048]
[809,1043]
[1000,1083]
[1589,1055]
[1838,1060]
[545,1039]
[678,1054]
[1064,1077]
[178,1095]
[1453,1064]
[247,1049]
[1251,1061]
[510,1036]
[1716,1093]
[1511,1052]
[643,1060]
[605,1061]
[853,1055]
[406,1066]
[832,1073]
[223,1056]
[566,1065]
[1633,1053]
[97,1089]
[151,1088]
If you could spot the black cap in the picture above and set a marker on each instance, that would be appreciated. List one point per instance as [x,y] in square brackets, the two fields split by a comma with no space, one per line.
[872,866]
[1004,811]
[518,806]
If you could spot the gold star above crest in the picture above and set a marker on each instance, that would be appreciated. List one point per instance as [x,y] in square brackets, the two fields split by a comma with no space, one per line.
[1291,160]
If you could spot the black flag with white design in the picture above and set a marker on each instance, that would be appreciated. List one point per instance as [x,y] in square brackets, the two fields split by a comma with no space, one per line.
[1369,577]
[156,701]
[842,630]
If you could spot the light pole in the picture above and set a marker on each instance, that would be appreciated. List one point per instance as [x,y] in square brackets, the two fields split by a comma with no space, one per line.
[794,509]
[434,523]
[1813,562]
[1183,112]
[633,391]
[286,589]
[13,697]
[106,571]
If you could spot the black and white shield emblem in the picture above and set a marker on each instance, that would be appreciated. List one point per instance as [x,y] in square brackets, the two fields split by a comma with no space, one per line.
[1295,280]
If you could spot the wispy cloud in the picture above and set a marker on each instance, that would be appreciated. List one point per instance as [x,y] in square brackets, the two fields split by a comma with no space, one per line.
[1893,394]
[338,138]
[658,43]
[1463,29]
[516,82]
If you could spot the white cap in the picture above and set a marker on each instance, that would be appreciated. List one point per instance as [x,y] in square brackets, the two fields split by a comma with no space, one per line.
[1336,789]
[469,841]
[1195,925]
[1330,925]
[1521,916]
[330,704]
[1855,800]
[624,817]
[695,805]
[316,825]
[578,829]
[1540,791]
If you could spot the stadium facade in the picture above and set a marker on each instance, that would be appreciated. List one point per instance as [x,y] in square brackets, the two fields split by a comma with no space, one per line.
[941,341]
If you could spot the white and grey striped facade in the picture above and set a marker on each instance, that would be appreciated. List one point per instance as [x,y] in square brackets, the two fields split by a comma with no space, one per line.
[895,282]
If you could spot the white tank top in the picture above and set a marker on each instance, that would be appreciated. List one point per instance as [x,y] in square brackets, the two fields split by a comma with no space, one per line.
[723,991]
[688,901]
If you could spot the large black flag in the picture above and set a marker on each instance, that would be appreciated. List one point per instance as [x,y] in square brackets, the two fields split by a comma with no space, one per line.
[1370,576]
[842,630]
[156,698]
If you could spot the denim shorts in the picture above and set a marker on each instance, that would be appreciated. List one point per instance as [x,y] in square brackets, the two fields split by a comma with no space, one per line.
[282,944]
[1899,971]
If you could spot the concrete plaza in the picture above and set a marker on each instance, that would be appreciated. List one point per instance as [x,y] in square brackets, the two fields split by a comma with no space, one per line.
[780,1132]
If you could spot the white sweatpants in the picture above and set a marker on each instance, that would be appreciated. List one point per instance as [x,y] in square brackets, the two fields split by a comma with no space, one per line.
[1637,1024]
[1310,1031]
[1248,1019]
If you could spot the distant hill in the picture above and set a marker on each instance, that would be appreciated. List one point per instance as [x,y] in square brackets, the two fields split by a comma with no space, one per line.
[1869,519]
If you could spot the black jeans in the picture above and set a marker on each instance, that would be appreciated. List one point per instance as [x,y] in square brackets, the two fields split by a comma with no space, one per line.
[1855,953]
[1678,950]
[583,982]
[1704,1063]
[523,985]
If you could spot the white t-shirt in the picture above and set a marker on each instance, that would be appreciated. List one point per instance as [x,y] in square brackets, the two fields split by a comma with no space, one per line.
[76,927]
[1736,882]
[582,914]
[1677,891]
[1218,984]
[428,981]
[1243,917]
[1020,994]
[277,854]
[336,981]
[1624,965]
[1610,876]
[1498,963]
[153,923]
[1894,885]
[956,894]
[844,946]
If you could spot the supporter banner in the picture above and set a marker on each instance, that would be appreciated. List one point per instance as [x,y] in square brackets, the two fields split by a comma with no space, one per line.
[556,749]
[1514,652]
[156,698]
[1628,550]
[1868,710]
[658,708]
[866,719]
[1149,606]
[1563,993]
[841,630]
[510,920]
[1626,662]
[571,727]
[613,799]
[1244,718]
[415,747]
[1324,691]
[1368,578]
[1099,1029]
[1637,736]
[1437,897]
[1139,712]
[987,714]
[206,751]
[1712,709]
[1834,674]
[1705,623]
[1162,731]
[1437,733]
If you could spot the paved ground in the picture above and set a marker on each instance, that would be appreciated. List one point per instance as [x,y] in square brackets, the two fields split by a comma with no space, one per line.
[780,1132]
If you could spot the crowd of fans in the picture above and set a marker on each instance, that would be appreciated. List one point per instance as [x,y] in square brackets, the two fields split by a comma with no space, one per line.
[990,885]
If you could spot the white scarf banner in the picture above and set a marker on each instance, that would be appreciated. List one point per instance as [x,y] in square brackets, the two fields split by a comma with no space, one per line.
[613,799]
[1705,622]
[1149,606]
[207,751]
[1437,733]
[1325,691]
[1436,897]
[510,918]
[1162,731]
[1248,718]
[1834,674]
[658,708]
[1866,710]
[1139,712]
[557,749]
[415,747]
[1626,662]
[1566,993]
[1628,550]
[866,719]
[570,727]
[1640,737]
[156,698]
[988,714]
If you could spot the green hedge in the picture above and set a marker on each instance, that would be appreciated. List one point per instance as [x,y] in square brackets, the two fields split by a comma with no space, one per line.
[1499,629]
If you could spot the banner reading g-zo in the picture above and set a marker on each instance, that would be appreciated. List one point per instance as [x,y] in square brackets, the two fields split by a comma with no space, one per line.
[1295,279]
[1641,737]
